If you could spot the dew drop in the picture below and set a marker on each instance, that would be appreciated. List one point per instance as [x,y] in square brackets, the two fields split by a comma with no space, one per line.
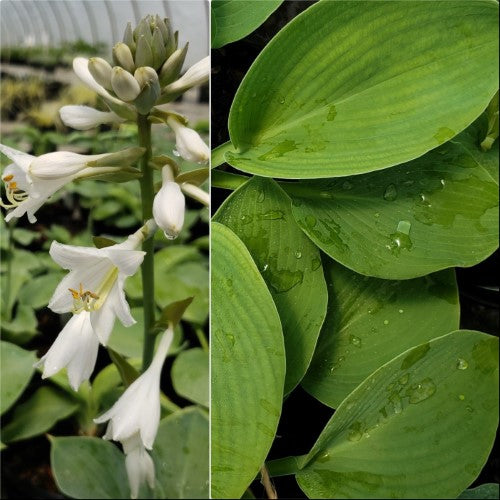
[324,458]
[355,341]
[310,221]
[282,100]
[261,197]
[462,364]
[347,185]
[176,153]
[390,193]
[397,404]
[401,311]
[461,397]
[469,409]
[265,268]
[298,254]
[404,379]
[422,391]
[376,214]
[386,321]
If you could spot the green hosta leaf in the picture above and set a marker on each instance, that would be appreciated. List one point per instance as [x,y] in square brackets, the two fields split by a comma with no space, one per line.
[234,19]
[88,467]
[38,291]
[38,414]
[23,327]
[260,214]
[485,491]
[248,366]
[16,370]
[435,212]
[370,321]
[421,426]
[190,375]
[181,455]
[127,372]
[367,85]
[181,271]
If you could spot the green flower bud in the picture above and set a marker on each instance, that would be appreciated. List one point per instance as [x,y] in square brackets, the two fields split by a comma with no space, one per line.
[101,71]
[122,55]
[162,26]
[128,38]
[158,49]
[143,53]
[171,69]
[119,158]
[143,29]
[124,84]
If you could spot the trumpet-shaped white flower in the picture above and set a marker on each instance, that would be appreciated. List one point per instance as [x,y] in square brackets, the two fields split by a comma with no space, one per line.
[85,118]
[188,142]
[95,282]
[31,180]
[169,206]
[135,417]
[139,464]
[138,409]
[195,75]
[75,349]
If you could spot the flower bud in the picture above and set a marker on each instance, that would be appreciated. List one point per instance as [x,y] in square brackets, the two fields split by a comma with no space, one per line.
[128,38]
[189,144]
[143,29]
[85,118]
[171,41]
[122,55]
[146,74]
[169,206]
[163,28]
[173,65]
[143,53]
[195,75]
[101,71]
[158,49]
[124,84]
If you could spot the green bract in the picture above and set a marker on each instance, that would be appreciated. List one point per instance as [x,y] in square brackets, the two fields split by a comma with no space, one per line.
[367,85]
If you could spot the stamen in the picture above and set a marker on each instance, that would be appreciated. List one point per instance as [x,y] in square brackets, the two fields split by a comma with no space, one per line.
[83,300]
[8,178]
[75,294]
[12,185]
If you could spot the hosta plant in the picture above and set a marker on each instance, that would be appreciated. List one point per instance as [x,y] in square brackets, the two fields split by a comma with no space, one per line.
[363,156]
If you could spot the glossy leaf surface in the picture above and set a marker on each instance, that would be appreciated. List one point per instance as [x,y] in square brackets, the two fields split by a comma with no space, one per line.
[248,366]
[353,87]
[438,211]
[370,321]
[260,215]
[421,426]
[190,375]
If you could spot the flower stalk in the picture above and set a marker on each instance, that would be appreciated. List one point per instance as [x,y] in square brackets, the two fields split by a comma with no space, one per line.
[147,269]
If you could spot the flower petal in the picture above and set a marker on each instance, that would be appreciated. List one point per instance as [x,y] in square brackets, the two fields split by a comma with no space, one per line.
[21,159]
[71,257]
[120,304]
[103,319]
[60,164]
[127,261]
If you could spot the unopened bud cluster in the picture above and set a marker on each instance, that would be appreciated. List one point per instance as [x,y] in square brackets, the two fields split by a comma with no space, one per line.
[145,63]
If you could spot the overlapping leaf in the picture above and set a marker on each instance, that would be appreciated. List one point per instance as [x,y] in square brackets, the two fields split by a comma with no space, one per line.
[370,321]
[248,366]
[234,19]
[260,214]
[438,211]
[421,426]
[353,87]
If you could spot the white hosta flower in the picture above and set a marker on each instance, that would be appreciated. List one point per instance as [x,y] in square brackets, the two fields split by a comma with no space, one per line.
[169,206]
[195,75]
[75,349]
[95,282]
[86,118]
[138,408]
[135,417]
[31,180]
[188,142]
[139,464]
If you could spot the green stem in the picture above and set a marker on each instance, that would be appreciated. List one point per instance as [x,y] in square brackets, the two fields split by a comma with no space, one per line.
[202,339]
[227,180]
[284,466]
[218,154]
[147,269]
